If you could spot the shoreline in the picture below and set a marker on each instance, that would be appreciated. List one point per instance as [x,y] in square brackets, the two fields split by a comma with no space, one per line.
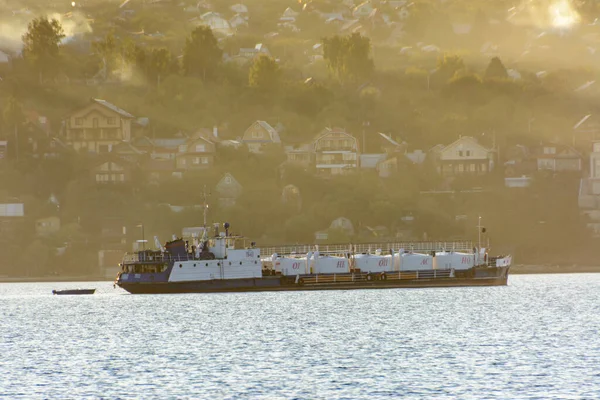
[514,270]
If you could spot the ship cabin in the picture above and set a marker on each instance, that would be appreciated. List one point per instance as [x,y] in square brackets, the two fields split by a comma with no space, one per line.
[221,246]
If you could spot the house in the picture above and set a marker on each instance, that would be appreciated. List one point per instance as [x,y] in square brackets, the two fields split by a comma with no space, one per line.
[389,145]
[302,154]
[216,23]
[259,134]
[557,158]
[336,152]
[128,152]
[98,126]
[168,148]
[519,161]
[112,171]
[47,226]
[586,131]
[229,189]
[463,157]
[238,20]
[289,15]
[11,218]
[197,153]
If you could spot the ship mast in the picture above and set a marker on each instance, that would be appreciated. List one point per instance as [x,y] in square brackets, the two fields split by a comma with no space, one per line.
[479,234]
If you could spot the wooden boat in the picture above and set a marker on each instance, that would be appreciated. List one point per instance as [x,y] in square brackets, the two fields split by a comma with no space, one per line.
[74,291]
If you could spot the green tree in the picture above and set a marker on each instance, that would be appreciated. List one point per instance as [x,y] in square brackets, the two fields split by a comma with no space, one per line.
[41,45]
[495,69]
[106,49]
[348,57]
[264,74]
[201,54]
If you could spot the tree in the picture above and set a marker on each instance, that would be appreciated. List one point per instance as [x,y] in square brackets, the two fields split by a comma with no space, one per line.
[107,51]
[449,65]
[41,45]
[201,54]
[495,69]
[348,57]
[265,74]
[13,117]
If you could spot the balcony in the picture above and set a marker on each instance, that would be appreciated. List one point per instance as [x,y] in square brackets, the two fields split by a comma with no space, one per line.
[94,134]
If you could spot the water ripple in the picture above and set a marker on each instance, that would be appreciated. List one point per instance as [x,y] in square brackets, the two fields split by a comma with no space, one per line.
[535,339]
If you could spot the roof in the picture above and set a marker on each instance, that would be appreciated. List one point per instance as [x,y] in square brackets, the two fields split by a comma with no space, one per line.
[389,139]
[114,108]
[272,132]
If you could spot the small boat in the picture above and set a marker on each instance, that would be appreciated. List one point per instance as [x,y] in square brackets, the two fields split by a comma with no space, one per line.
[74,291]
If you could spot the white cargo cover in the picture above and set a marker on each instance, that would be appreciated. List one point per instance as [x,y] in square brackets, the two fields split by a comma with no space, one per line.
[375,263]
[416,262]
[453,260]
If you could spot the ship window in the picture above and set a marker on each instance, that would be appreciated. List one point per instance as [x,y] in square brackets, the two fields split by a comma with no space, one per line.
[240,263]
[207,264]
[219,264]
[194,265]
[180,265]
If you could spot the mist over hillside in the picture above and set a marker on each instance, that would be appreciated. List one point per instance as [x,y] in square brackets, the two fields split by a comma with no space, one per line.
[407,119]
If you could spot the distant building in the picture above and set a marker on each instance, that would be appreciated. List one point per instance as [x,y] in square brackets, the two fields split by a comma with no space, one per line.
[336,152]
[97,127]
[465,156]
[557,158]
[259,134]
[229,189]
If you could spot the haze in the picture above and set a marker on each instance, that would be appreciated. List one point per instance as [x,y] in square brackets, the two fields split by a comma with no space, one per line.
[303,122]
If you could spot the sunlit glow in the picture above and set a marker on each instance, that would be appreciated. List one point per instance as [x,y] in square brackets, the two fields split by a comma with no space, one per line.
[72,4]
[563,15]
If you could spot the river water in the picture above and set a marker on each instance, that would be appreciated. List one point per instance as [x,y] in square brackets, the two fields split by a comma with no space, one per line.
[538,338]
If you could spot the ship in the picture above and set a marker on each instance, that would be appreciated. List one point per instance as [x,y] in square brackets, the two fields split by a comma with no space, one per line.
[223,262]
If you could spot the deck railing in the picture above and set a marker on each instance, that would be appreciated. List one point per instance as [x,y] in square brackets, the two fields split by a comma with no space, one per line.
[385,247]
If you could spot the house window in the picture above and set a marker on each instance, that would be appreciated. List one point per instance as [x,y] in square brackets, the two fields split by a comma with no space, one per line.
[483,167]
[460,153]
[227,180]
[549,150]
[182,148]
[95,122]
[78,121]
[461,167]
[196,160]
[472,167]
[204,160]
[468,153]
[122,177]
[200,148]
[257,135]
[111,121]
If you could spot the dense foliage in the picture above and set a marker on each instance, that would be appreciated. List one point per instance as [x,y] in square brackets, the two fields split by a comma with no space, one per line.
[189,78]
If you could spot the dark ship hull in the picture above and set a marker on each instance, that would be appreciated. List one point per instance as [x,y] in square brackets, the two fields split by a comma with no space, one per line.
[477,276]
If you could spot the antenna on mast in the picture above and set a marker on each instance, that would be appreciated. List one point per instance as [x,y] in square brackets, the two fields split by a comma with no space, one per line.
[480,230]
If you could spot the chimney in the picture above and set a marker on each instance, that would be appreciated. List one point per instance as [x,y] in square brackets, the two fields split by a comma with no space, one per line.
[215,131]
